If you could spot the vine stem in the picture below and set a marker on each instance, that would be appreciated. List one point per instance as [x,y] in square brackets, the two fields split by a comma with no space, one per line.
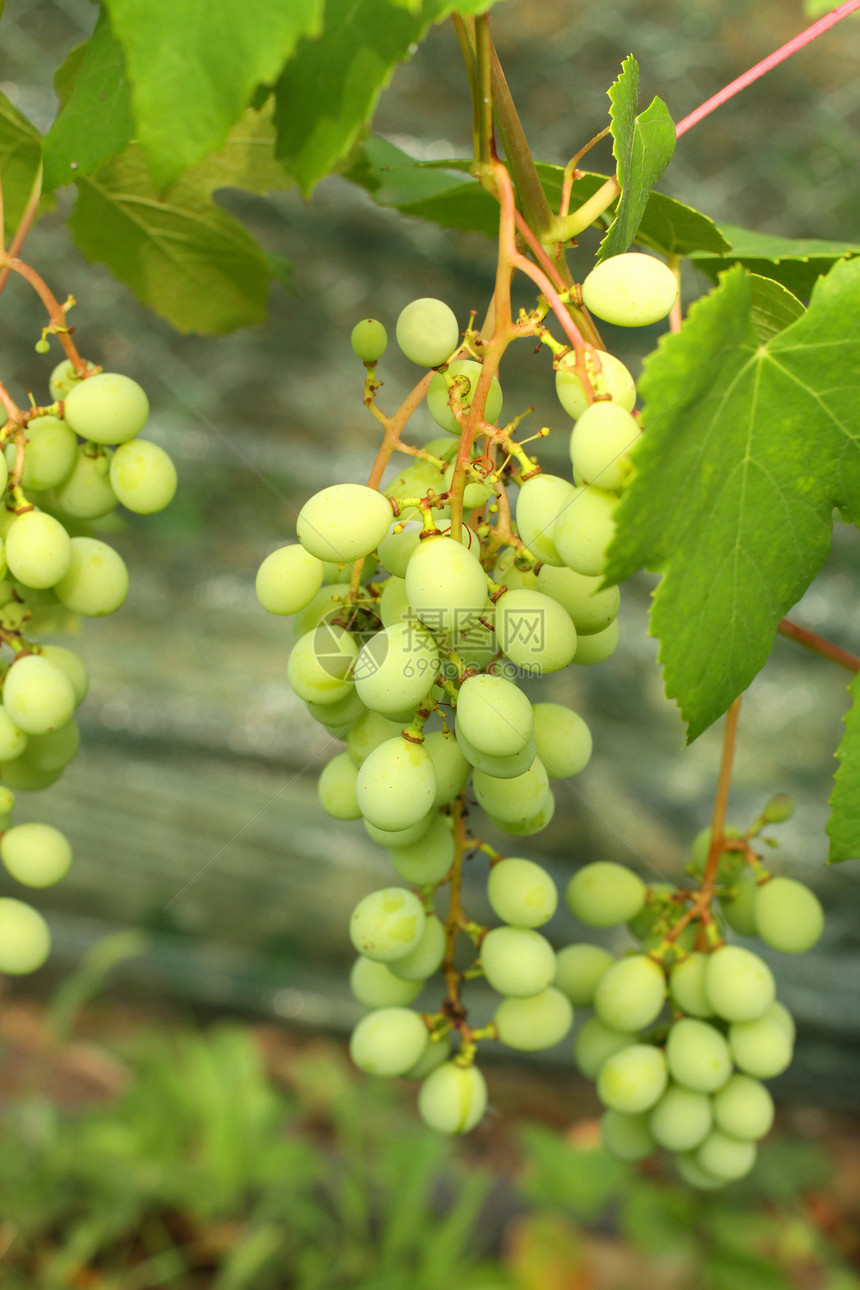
[778,56]
[718,821]
[819,645]
[26,222]
[56,311]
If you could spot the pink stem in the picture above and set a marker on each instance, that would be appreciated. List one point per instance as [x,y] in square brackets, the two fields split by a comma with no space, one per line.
[766,64]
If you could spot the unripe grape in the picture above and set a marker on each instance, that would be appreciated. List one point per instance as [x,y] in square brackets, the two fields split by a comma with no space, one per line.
[396,548]
[288,580]
[600,446]
[336,788]
[778,1013]
[778,809]
[739,985]
[86,493]
[476,492]
[499,767]
[369,340]
[562,739]
[96,582]
[343,522]
[376,986]
[631,290]
[445,585]
[143,477]
[515,800]
[627,1137]
[525,828]
[738,904]
[494,715]
[681,1119]
[397,838]
[517,961]
[694,1175]
[630,995]
[416,481]
[521,893]
[614,379]
[38,855]
[537,1022]
[37,695]
[12,740]
[453,1098]
[64,378]
[449,765]
[439,393]
[106,408]
[605,894]
[744,1108]
[387,924]
[393,605]
[592,609]
[52,450]
[595,1043]
[368,732]
[632,1079]
[53,750]
[762,1047]
[396,668]
[687,985]
[428,954]
[38,549]
[429,858]
[319,668]
[25,941]
[597,647]
[437,1052]
[541,501]
[427,331]
[396,784]
[578,971]
[534,631]
[388,1041]
[697,1055]
[788,916]
[584,529]
[726,1157]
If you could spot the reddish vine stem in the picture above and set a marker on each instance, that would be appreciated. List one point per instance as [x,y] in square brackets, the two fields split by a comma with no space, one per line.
[454,920]
[819,645]
[56,311]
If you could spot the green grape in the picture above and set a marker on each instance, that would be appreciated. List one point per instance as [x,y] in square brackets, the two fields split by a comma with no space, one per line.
[37,695]
[12,740]
[626,1137]
[542,499]
[739,985]
[288,580]
[387,924]
[507,574]
[38,549]
[396,668]
[17,774]
[476,493]
[562,740]
[453,1098]
[534,631]
[429,858]
[451,768]
[7,801]
[730,862]
[54,750]
[336,788]
[427,332]
[499,767]
[494,715]
[417,480]
[762,1048]
[445,585]
[438,394]
[388,1041]
[400,837]
[534,1023]
[64,378]
[681,1119]
[428,954]
[369,340]
[516,800]
[343,522]
[778,1013]
[778,809]
[52,450]
[788,916]
[143,477]
[597,647]
[396,784]
[86,493]
[658,899]
[437,1052]
[376,986]
[578,971]
[605,894]
[632,1079]
[534,824]
[698,1055]
[393,605]
[630,994]
[744,1108]
[517,961]
[328,605]
[25,941]
[521,893]
[591,609]
[319,668]
[595,1042]
[38,855]
[632,290]
[369,731]
[96,583]
[396,548]
[725,1157]
[687,985]
[106,408]
[694,1175]
[339,718]
[336,572]
[584,529]
[601,444]
[613,379]
[738,908]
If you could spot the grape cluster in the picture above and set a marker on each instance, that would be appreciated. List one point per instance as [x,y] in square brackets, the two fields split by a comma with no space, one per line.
[64,464]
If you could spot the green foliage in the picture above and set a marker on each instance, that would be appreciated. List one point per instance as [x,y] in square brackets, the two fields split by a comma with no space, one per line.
[20,154]
[642,145]
[795,262]
[844,823]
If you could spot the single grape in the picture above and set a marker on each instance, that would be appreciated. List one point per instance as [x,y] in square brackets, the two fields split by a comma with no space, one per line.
[476,493]
[778,1013]
[417,480]
[376,986]
[562,739]
[427,332]
[687,985]
[52,450]
[612,379]
[534,1023]
[467,372]
[681,1119]
[393,605]
[340,717]
[319,668]
[96,583]
[648,922]
[494,715]
[343,522]
[143,477]
[106,408]
[288,580]
[761,1048]
[605,894]
[525,828]
[725,1157]
[627,1137]
[601,444]
[632,290]
[13,741]
[429,858]
[397,838]
[86,493]
[631,993]
[788,916]
[739,985]
[37,695]
[53,750]
[7,801]
[336,788]
[396,784]
[694,1175]
[534,631]
[598,647]
[516,800]
[368,732]
[396,548]
[387,924]
[584,528]
[632,1079]
[388,1041]
[592,609]
[517,961]
[738,905]
[396,668]
[38,549]
[369,340]
[38,855]
[697,1055]
[778,809]
[445,585]
[521,893]
[744,1108]
[507,573]
[579,969]
[428,954]
[499,767]
[437,1052]
[542,499]
[449,765]
[595,1043]
[64,378]
[25,941]
[453,1098]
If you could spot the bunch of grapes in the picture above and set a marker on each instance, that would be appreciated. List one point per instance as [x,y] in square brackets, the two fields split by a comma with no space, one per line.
[419,609]
[64,464]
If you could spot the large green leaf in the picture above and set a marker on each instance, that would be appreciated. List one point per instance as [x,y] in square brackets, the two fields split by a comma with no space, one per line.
[748,446]
[330,88]
[194,67]
[795,262]
[181,254]
[95,122]
[844,823]
[20,157]
[642,146]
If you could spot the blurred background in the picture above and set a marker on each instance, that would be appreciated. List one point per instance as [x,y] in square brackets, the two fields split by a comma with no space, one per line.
[192,807]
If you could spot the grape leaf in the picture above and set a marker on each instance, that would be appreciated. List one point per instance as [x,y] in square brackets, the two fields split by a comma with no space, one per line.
[330,88]
[795,262]
[844,823]
[726,500]
[184,107]
[642,147]
[773,307]
[95,122]
[20,157]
